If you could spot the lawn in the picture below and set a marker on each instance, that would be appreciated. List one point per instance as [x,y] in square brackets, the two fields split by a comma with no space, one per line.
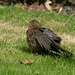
[14,48]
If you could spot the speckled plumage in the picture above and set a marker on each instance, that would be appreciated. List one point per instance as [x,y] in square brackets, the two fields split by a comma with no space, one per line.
[42,40]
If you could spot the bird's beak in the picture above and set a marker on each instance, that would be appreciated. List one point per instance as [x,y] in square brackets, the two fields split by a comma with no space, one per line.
[27,22]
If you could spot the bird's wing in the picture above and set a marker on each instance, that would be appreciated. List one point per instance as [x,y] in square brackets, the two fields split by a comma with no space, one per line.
[51,34]
[43,40]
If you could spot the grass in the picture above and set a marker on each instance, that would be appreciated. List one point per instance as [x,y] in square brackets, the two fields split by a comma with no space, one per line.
[13,45]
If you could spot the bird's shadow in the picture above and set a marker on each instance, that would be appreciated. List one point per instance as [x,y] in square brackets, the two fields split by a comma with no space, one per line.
[26,49]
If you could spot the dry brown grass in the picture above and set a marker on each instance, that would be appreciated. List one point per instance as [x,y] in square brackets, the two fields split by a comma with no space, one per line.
[20,32]
[8,26]
[69,39]
[54,23]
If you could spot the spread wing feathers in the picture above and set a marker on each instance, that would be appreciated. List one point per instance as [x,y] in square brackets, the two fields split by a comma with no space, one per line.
[50,33]
[43,40]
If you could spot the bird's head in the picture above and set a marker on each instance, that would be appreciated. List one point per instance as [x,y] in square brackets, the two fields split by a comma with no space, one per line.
[33,23]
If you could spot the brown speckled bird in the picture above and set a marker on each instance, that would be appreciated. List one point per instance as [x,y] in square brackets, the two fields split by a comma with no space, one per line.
[41,40]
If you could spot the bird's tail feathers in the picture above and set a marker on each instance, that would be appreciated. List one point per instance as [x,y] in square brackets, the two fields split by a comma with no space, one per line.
[63,50]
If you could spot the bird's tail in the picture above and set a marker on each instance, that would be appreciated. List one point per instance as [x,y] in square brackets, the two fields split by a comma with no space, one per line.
[63,50]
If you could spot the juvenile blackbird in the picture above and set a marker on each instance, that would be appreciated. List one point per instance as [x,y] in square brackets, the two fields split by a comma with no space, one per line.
[41,40]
